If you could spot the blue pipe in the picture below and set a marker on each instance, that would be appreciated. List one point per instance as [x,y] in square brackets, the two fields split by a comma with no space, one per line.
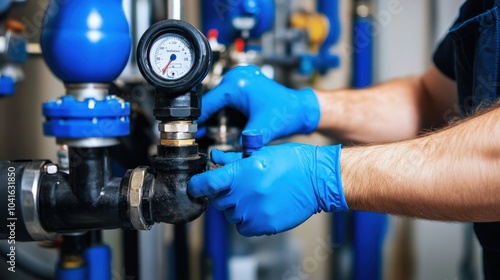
[216,245]
[98,259]
[363,53]
[330,8]
[368,228]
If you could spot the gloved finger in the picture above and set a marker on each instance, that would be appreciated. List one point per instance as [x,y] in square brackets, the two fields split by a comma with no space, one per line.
[202,131]
[232,216]
[215,100]
[223,201]
[212,182]
[245,229]
[248,229]
[220,157]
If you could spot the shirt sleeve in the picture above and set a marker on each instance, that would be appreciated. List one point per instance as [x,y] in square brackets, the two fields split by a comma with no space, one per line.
[444,55]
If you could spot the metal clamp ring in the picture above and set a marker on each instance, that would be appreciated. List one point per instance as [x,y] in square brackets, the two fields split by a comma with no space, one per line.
[29,201]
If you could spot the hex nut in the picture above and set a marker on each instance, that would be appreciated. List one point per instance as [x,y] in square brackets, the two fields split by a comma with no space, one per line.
[136,182]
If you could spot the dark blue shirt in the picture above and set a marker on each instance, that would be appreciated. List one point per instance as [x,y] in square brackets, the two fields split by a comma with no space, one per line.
[470,55]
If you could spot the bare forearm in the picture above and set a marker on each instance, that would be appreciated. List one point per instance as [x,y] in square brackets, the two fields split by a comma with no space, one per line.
[453,174]
[388,112]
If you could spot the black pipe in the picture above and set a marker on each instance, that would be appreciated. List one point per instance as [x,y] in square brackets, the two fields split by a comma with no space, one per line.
[131,254]
[168,198]
[62,211]
[86,199]
[89,172]
[181,252]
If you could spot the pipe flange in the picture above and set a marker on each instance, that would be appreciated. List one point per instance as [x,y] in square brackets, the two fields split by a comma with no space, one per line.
[30,184]
[135,185]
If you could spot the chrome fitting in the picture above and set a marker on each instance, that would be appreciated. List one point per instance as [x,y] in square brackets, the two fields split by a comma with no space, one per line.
[82,91]
[178,126]
[177,130]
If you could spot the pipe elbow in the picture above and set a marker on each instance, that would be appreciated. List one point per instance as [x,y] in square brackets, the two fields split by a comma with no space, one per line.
[158,194]
[171,204]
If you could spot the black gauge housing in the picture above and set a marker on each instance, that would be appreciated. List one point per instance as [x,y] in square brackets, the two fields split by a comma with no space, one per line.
[202,56]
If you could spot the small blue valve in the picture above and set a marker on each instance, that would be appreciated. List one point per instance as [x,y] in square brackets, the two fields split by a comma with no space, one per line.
[252,141]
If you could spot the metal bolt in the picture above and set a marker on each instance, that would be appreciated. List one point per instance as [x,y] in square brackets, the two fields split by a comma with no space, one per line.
[50,168]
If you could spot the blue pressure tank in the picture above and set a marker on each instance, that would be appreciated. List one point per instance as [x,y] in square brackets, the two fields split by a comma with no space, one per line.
[85,41]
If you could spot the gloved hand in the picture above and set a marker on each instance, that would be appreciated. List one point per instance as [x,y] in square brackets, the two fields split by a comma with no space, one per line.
[269,106]
[275,189]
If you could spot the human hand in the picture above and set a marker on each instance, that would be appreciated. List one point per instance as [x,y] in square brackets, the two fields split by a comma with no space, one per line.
[275,189]
[276,110]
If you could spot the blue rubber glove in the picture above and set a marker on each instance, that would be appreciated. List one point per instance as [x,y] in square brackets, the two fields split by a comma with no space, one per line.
[275,189]
[276,110]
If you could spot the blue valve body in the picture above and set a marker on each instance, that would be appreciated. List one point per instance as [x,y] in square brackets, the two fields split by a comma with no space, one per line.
[219,14]
[85,41]
[324,60]
[70,118]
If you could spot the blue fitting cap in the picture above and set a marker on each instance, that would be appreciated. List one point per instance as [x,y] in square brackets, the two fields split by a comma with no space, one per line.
[7,85]
[70,118]
[252,140]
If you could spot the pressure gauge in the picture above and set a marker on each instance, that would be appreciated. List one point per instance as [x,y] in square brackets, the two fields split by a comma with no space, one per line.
[174,56]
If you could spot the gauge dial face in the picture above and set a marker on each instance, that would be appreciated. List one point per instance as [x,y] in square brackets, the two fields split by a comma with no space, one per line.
[171,56]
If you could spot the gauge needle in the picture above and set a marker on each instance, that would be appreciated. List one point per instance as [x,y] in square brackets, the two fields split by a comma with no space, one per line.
[172,58]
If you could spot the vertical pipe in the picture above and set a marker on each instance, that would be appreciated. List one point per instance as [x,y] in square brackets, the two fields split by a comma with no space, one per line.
[368,228]
[72,265]
[89,172]
[98,257]
[363,51]
[330,8]
[181,258]
[215,262]
[174,9]
[130,252]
